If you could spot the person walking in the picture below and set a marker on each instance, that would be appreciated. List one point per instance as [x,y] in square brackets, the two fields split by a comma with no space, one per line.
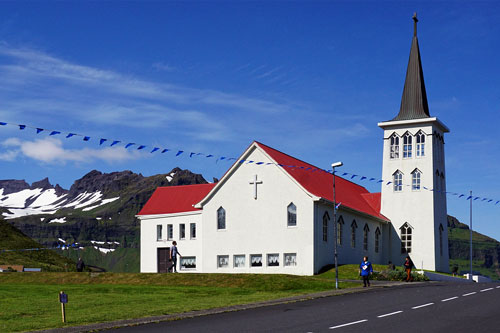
[365,270]
[173,255]
[408,264]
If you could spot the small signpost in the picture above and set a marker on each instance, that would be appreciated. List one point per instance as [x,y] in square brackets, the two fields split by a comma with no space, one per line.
[63,298]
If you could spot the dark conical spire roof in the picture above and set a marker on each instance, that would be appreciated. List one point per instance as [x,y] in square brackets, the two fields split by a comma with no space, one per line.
[414,101]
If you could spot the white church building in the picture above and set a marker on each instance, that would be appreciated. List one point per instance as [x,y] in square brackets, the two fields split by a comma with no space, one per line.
[273,213]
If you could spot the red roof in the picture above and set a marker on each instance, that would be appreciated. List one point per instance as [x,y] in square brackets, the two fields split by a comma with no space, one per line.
[175,199]
[320,184]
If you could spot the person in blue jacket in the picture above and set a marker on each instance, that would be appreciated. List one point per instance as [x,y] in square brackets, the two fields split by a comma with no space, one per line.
[365,270]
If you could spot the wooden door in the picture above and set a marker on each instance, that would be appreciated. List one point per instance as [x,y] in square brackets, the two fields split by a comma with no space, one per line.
[163,259]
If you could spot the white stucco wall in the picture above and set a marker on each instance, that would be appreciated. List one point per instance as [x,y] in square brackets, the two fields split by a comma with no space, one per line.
[188,247]
[259,226]
[424,210]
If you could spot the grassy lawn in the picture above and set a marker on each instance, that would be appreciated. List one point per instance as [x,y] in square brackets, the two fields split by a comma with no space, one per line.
[30,300]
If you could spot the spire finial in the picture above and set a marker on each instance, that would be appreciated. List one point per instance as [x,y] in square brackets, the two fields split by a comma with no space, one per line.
[415,20]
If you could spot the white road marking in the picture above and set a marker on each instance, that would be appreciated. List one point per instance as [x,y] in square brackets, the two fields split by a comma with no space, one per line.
[486,289]
[421,306]
[389,314]
[472,293]
[354,322]
[449,299]
[498,287]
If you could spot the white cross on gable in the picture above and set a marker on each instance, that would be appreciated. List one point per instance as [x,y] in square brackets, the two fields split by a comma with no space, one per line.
[255,182]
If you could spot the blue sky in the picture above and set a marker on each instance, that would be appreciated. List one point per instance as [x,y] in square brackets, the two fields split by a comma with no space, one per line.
[311,79]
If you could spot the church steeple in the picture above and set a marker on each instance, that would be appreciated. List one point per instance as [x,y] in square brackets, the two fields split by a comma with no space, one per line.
[414,101]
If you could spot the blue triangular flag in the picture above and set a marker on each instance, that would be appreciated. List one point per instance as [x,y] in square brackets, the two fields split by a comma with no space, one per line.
[101,141]
[21,127]
[54,133]
[70,135]
[2,123]
[114,143]
[179,152]
[86,138]
[164,150]
[141,147]
[38,130]
[129,144]
[154,149]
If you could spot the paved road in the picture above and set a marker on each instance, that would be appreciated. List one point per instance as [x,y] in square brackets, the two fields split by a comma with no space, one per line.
[430,307]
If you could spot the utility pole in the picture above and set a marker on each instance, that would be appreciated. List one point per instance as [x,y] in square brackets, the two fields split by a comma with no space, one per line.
[470,228]
[335,231]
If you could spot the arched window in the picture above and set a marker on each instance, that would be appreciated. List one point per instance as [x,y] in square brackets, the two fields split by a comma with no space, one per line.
[420,144]
[221,218]
[326,218]
[365,237]
[397,180]
[291,215]
[377,240]
[394,149]
[354,226]
[441,229]
[407,145]
[406,232]
[415,180]
[340,224]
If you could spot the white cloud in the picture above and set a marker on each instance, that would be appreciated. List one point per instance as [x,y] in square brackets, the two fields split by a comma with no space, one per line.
[50,150]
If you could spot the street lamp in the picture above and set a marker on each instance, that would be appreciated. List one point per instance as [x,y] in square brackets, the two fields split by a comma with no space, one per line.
[334,165]
[470,230]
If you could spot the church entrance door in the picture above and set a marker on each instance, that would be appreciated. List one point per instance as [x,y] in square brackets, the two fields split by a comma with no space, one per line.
[164,261]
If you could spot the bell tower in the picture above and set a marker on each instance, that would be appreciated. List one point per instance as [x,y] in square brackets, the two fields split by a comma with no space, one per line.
[414,189]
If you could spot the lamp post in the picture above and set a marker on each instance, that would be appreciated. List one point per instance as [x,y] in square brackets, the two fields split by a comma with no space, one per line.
[334,165]
[470,227]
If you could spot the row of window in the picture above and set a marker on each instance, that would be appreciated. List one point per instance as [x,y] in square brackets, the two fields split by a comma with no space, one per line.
[416,178]
[255,260]
[394,142]
[366,237]
[291,217]
[170,231]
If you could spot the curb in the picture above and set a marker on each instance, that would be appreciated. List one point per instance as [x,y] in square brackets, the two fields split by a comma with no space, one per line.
[199,313]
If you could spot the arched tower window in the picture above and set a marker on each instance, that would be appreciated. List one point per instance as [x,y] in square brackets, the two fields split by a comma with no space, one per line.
[406,231]
[407,145]
[441,229]
[420,144]
[415,180]
[365,237]
[354,226]
[326,218]
[394,149]
[340,224]
[377,240]
[221,218]
[291,215]
[397,180]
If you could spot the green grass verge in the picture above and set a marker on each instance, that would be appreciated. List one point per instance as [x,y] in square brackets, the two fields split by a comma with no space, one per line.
[30,300]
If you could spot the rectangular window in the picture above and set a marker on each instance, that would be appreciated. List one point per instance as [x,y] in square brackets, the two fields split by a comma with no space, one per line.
[239,261]
[188,263]
[182,231]
[290,259]
[159,229]
[353,236]
[273,259]
[170,231]
[223,261]
[256,260]
[365,239]
[377,240]
[193,230]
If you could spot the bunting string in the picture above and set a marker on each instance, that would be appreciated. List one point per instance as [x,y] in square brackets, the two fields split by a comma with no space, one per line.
[58,247]
[178,152]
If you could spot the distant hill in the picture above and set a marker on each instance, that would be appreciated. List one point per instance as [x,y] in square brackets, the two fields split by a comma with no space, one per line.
[485,250]
[97,212]
[11,238]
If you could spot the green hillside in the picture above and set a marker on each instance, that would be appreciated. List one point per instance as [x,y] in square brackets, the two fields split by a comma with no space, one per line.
[485,250]
[11,238]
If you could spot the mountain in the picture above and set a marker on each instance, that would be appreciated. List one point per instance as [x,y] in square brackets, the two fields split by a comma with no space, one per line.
[485,250]
[13,239]
[97,212]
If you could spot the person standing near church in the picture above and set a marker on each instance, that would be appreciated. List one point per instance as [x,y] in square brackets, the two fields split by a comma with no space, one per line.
[365,270]
[173,255]
[80,265]
[408,264]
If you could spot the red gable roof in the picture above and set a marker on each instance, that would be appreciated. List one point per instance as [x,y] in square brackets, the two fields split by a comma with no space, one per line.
[175,199]
[320,184]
